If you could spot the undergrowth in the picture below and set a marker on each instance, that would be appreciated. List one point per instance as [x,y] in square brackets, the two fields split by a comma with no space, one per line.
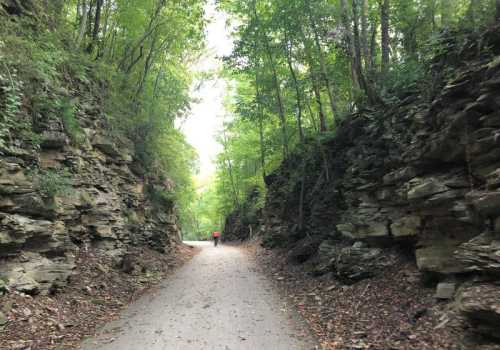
[46,83]
[51,183]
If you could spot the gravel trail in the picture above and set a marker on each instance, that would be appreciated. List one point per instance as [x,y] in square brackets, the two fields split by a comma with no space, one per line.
[217,301]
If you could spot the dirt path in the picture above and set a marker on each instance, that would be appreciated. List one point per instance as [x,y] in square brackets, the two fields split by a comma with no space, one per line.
[216,301]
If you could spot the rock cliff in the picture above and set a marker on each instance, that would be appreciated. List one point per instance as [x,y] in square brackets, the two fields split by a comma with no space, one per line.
[422,175]
[242,223]
[57,198]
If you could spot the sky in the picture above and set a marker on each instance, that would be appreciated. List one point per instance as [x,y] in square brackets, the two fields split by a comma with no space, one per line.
[206,116]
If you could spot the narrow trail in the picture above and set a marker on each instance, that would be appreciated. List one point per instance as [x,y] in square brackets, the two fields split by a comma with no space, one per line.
[216,301]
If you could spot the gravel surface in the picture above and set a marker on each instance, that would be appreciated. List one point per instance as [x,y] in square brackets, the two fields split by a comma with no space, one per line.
[218,300]
[96,294]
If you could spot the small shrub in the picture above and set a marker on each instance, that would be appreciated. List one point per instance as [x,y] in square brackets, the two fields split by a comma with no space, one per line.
[133,218]
[51,183]
[73,129]
[160,197]
[10,100]
[404,79]
[33,138]
[87,200]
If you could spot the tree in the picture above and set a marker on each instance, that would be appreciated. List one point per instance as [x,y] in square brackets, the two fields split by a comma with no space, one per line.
[293,56]
[497,13]
[97,25]
[384,28]
[288,48]
[83,16]
[322,62]
[277,84]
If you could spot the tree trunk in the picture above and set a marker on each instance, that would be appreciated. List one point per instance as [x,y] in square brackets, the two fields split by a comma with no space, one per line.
[279,97]
[301,197]
[105,29]
[384,27]
[364,35]
[346,21]
[317,95]
[497,14]
[446,11]
[147,66]
[276,82]
[97,25]
[78,11]
[129,52]
[83,24]
[288,49]
[324,73]
[97,22]
[373,47]
[372,98]
[314,81]
[157,81]
[261,127]
[432,14]
[311,115]
[262,147]
[111,50]
[230,172]
[90,10]
[150,59]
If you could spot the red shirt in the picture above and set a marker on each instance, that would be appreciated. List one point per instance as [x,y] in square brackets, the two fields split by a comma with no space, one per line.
[216,234]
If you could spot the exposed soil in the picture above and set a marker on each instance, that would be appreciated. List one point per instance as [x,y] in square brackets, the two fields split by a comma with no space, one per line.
[391,311]
[95,295]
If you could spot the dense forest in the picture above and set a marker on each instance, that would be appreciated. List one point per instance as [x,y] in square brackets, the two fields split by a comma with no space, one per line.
[359,162]
[135,56]
[301,67]
[297,70]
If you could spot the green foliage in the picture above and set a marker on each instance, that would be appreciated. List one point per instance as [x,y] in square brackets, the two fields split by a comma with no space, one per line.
[87,200]
[32,77]
[51,183]
[129,73]
[168,156]
[162,198]
[254,201]
[10,100]
[203,217]
[67,112]
[300,67]
[12,96]
[34,138]
[404,79]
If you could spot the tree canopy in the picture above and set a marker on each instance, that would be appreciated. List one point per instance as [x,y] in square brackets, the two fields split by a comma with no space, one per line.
[299,67]
[134,56]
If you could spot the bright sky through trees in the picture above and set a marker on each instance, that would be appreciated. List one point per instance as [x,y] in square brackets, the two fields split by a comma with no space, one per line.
[205,120]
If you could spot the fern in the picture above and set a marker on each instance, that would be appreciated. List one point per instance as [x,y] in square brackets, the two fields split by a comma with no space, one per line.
[67,111]
[10,102]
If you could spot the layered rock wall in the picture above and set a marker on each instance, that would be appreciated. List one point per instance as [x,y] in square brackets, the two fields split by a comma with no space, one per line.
[242,223]
[57,198]
[421,175]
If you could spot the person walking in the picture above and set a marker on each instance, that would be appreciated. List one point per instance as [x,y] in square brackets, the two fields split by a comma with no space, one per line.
[216,236]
